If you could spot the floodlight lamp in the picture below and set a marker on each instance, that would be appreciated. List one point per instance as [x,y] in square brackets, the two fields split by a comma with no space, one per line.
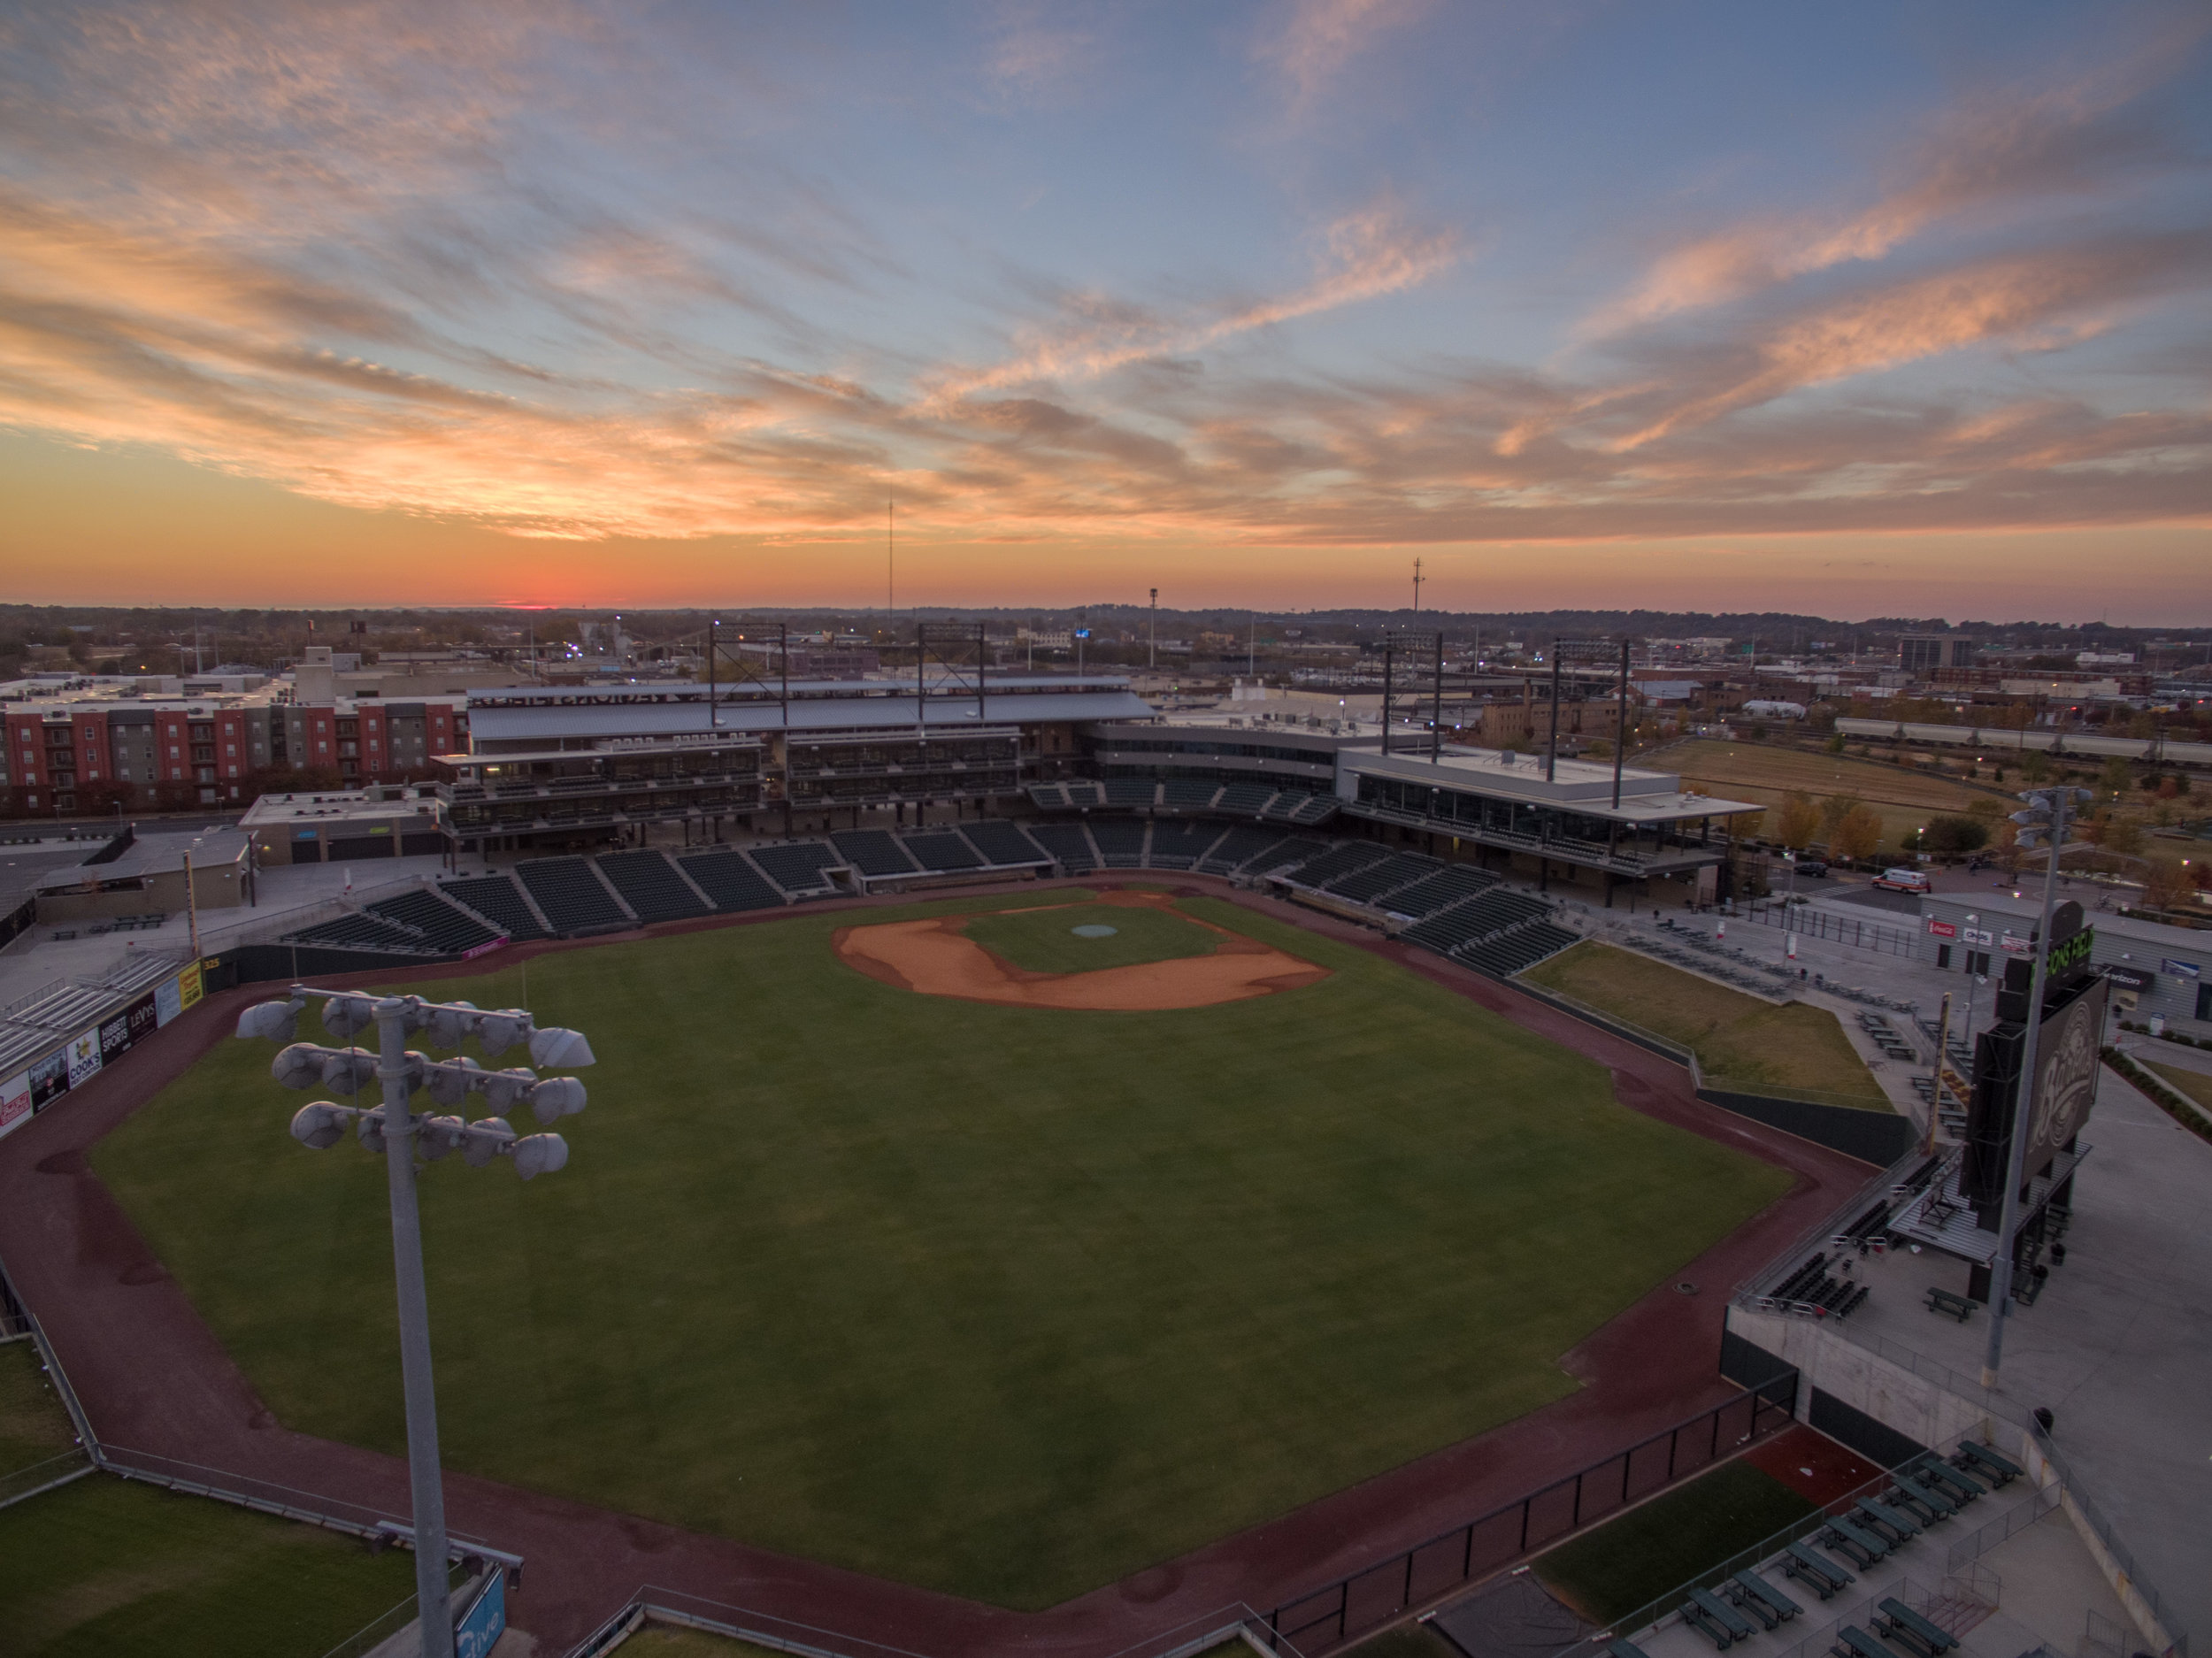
[349,1070]
[440,1135]
[300,1065]
[369,1128]
[501,1031]
[320,1125]
[449,1025]
[416,1069]
[503,1090]
[450,1080]
[276,1021]
[342,1015]
[557,1097]
[484,1139]
[540,1154]
[417,1015]
[558,1046]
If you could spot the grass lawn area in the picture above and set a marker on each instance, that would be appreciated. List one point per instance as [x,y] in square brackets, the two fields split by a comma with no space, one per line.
[1045,940]
[1005,1301]
[1753,771]
[34,1426]
[106,1567]
[2195,1084]
[1651,1550]
[1740,1040]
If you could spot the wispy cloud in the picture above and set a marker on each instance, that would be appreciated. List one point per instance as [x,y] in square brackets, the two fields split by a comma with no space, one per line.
[1309,42]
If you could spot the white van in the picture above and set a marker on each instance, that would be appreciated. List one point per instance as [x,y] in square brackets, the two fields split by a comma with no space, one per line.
[1903,881]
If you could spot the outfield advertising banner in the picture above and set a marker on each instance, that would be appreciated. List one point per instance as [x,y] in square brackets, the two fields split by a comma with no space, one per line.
[49,1079]
[15,1101]
[481,1626]
[84,1057]
[188,987]
[168,1001]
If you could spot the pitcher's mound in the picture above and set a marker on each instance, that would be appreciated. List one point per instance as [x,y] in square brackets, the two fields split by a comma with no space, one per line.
[936,958]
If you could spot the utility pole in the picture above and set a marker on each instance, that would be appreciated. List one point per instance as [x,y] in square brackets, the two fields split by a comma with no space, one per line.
[1152,652]
[1417,589]
[891,556]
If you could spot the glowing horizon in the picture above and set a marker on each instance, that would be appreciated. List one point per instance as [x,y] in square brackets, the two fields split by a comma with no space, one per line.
[1840,315]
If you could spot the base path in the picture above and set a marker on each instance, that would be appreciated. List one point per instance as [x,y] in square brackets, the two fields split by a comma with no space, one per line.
[153,1378]
[937,959]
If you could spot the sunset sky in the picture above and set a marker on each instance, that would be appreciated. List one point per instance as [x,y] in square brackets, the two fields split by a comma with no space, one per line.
[1864,310]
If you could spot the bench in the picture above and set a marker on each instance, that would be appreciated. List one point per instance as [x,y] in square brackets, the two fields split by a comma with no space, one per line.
[1825,1576]
[1925,1502]
[1853,1642]
[1722,1623]
[1760,1599]
[1902,1624]
[1625,1649]
[1939,1474]
[1894,1524]
[1980,1459]
[1862,1548]
[1944,1301]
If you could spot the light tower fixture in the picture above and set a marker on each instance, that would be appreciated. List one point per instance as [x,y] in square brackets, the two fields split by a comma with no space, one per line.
[394,1130]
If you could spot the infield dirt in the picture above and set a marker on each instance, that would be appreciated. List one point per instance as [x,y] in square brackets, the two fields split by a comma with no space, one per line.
[935,957]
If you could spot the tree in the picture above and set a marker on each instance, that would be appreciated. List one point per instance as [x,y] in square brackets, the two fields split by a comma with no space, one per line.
[2037,767]
[1857,835]
[2122,836]
[1986,807]
[1797,821]
[1951,833]
[2116,777]
[1833,810]
[2165,886]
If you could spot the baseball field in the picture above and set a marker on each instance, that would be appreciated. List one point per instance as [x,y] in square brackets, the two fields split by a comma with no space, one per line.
[1002,1299]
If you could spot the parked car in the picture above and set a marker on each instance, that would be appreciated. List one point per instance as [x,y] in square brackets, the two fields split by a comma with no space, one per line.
[1812,867]
[1903,881]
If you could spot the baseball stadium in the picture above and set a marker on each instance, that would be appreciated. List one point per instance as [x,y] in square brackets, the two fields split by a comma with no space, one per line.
[1126,1213]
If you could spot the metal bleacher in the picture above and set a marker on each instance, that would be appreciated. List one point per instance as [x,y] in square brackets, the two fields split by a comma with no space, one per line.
[1447,885]
[1238,848]
[1120,841]
[941,852]
[725,877]
[800,867]
[651,885]
[498,900]
[1365,886]
[447,928]
[1178,845]
[873,852]
[572,896]
[1067,845]
[1189,793]
[1003,845]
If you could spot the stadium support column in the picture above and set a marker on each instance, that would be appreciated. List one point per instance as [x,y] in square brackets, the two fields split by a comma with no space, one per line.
[1620,735]
[435,1616]
[1436,697]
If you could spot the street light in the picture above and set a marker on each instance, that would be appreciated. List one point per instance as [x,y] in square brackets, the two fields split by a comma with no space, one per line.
[396,1132]
[2045,819]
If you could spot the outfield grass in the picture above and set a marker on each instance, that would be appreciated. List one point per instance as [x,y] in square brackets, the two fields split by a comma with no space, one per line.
[106,1567]
[1655,1548]
[34,1425]
[1006,1301]
[1044,941]
[1740,1040]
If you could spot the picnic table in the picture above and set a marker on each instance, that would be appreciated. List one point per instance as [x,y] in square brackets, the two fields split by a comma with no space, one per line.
[1853,1642]
[1862,1548]
[1935,1472]
[1897,1526]
[2000,1469]
[1942,1301]
[1902,1624]
[1826,1577]
[1925,1502]
[1721,1623]
[1756,1595]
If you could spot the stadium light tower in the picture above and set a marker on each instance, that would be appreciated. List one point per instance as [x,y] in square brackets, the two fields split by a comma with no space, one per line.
[397,1132]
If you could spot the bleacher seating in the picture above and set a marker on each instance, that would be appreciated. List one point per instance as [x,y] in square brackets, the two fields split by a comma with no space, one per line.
[362,931]
[1049,796]
[650,885]
[1067,845]
[798,866]
[1189,793]
[1247,799]
[1337,862]
[1120,841]
[1510,953]
[1286,806]
[574,899]
[1447,885]
[445,928]
[1240,846]
[942,850]
[496,899]
[1130,791]
[1085,793]
[1367,885]
[1002,843]
[1313,810]
[873,851]
[1178,846]
[733,884]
